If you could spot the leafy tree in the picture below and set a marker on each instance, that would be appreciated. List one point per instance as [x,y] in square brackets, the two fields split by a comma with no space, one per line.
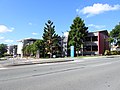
[111,40]
[27,50]
[118,40]
[50,38]
[115,33]
[38,47]
[77,32]
[3,49]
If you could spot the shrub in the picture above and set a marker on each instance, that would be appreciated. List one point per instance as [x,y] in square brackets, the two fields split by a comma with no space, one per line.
[107,52]
[114,52]
[118,52]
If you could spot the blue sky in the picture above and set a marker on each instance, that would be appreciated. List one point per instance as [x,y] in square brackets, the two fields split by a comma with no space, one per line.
[21,19]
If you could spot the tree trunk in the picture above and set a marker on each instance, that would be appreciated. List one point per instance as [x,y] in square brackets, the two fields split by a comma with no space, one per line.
[38,54]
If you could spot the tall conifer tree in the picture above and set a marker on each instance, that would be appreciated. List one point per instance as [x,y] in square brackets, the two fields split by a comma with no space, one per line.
[77,32]
[50,38]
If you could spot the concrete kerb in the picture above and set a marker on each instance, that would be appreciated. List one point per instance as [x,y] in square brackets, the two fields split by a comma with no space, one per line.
[93,57]
[51,60]
[42,61]
[37,61]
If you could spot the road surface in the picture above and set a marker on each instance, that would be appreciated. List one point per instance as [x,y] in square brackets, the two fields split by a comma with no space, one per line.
[83,74]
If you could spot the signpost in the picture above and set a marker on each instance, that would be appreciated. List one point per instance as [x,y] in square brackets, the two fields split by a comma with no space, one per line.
[72,51]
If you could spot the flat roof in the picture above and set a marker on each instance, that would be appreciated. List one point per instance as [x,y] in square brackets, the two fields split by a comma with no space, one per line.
[102,31]
[27,39]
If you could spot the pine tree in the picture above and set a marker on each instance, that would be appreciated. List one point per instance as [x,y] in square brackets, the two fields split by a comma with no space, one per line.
[50,38]
[77,32]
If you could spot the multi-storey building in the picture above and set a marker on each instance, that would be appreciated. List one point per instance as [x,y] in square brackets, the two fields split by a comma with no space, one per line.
[64,42]
[23,43]
[96,43]
[12,50]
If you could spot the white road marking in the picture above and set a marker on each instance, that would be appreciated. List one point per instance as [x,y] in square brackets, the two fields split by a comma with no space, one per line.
[2,68]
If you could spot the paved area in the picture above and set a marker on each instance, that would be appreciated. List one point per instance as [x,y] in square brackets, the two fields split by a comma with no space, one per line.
[19,61]
[24,61]
[81,74]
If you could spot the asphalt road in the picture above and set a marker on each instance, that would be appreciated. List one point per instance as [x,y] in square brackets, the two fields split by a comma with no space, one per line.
[84,74]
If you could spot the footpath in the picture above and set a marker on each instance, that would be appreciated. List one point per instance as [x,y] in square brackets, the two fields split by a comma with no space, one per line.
[23,61]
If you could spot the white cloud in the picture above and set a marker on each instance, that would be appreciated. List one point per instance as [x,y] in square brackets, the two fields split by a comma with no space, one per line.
[4,29]
[30,23]
[77,10]
[12,28]
[98,9]
[34,33]
[1,38]
[9,41]
[97,26]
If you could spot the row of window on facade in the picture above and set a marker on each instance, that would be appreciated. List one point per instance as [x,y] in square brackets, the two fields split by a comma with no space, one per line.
[91,39]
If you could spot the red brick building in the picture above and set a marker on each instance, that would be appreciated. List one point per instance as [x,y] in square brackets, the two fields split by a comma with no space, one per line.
[96,43]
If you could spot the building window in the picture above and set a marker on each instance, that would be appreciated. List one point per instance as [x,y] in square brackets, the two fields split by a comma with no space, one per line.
[88,48]
[91,48]
[94,48]
[95,38]
[87,38]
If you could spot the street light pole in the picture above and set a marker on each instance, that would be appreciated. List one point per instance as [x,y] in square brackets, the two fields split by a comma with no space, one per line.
[82,46]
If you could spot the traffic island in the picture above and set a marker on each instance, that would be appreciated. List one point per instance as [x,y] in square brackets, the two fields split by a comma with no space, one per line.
[32,62]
